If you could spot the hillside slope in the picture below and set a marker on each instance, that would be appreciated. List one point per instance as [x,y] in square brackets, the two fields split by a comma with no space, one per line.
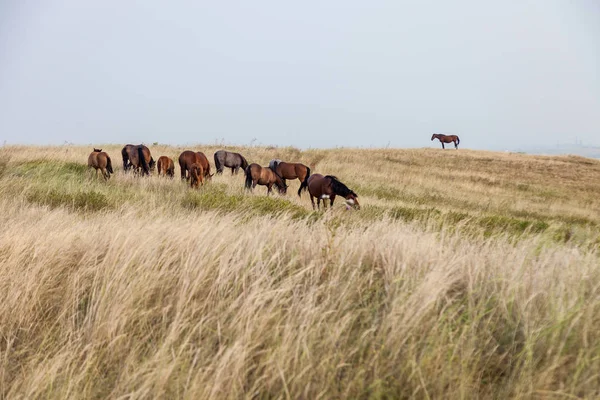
[465,274]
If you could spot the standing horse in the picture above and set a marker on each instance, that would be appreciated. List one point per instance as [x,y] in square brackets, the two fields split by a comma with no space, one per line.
[291,171]
[255,174]
[166,166]
[235,161]
[196,175]
[446,139]
[137,157]
[188,157]
[99,160]
[327,187]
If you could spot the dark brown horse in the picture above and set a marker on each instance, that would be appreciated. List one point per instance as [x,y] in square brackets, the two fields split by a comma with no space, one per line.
[257,175]
[196,175]
[327,187]
[291,171]
[188,157]
[166,166]
[138,158]
[99,160]
[446,139]
[235,161]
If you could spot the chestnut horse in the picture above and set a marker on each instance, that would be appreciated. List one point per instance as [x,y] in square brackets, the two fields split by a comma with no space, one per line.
[235,161]
[327,187]
[446,139]
[99,160]
[255,174]
[166,166]
[291,171]
[188,157]
[196,175]
[137,157]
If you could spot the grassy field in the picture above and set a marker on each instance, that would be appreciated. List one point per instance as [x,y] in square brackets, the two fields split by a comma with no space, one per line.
[466,274]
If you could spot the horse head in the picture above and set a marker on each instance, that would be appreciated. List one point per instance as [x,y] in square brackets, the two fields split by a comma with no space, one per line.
[282,188]
[434,136]
[352,200]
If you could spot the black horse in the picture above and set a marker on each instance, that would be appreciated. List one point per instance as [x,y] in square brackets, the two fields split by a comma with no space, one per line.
[235,161]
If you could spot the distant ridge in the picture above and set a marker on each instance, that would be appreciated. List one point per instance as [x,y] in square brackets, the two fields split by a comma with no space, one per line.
[564,149]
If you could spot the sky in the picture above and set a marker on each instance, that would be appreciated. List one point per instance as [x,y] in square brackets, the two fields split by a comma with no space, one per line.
[502,75]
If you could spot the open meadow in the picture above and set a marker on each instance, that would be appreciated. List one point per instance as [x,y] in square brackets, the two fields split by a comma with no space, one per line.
[466,274]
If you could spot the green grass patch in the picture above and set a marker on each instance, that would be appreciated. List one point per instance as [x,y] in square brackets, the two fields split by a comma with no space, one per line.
[89,200]
[409,214]
[47,169]
[215,197]
[495,224]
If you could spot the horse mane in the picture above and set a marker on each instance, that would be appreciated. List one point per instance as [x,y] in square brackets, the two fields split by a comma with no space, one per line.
[339,188]
[273,167]
[244,161]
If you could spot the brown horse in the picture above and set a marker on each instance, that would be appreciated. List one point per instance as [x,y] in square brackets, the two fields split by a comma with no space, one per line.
[255,174]
[100,161]
[291,171]
[166,166]
[327,187]
[235,161]
[137,157]
[196,175]
[446,139]
[188,157]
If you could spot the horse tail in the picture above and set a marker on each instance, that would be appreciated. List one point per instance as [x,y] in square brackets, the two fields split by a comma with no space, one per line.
[304,184]
[143,162]
[125,157]
[457,140]
[109,165]
[248,173]
[218,164]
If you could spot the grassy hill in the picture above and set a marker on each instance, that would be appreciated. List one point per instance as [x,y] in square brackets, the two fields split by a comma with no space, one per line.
[465,274]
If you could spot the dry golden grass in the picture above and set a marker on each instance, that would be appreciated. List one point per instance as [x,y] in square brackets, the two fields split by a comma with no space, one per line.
[465,275]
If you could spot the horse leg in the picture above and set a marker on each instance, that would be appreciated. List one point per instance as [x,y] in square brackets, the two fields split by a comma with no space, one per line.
[319,203]
[182,173]
[442,144]
[312,200]
[105,174]
[331,199]
[232,170]
[269,186]
[455,145]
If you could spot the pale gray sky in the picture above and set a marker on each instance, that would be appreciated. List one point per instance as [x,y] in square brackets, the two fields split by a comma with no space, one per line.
[501,74]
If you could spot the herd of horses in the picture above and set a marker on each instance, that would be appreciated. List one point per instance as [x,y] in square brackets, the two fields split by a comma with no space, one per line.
[195,168]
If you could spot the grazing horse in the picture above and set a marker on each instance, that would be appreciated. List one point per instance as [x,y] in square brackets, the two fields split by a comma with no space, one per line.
[446,139]
[137,157]
[291,171]
[235,161]
[255,174]
[327,187]
[196,175]
[188,157]
[166,166]
[100,161]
